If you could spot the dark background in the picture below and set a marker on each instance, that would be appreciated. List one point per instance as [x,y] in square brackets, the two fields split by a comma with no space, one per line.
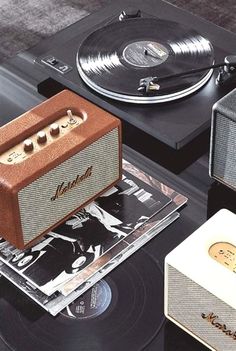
[23,23]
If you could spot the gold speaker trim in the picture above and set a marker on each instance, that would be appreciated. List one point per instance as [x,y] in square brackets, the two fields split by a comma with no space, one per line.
[225,254]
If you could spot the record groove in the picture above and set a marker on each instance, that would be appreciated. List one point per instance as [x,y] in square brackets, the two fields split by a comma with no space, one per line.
[129,319]
[114,58]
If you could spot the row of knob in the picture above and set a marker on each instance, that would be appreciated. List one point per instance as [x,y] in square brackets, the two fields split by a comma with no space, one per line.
[41,137]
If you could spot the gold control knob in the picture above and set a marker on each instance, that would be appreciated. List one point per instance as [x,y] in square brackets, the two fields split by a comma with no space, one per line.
[28,145]
[41,137]
[54,129]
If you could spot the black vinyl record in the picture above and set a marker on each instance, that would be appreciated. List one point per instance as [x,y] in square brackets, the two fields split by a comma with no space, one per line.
[121,312]
[114,58]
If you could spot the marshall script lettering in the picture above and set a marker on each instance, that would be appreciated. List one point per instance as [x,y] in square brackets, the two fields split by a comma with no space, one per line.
[213,319]
[62,188]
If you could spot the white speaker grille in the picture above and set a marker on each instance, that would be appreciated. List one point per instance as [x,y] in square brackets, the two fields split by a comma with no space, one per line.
[38,212]
[188,300]
[223,150]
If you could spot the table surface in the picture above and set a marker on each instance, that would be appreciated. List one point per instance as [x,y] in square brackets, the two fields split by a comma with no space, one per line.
[193,182]
[185,170]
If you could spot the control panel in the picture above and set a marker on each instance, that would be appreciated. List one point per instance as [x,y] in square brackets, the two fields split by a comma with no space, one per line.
[42,138]
[56,64]
[225,254]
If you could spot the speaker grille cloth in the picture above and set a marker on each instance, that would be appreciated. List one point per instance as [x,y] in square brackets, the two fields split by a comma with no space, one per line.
[188,300]
[38,212]
[224,146]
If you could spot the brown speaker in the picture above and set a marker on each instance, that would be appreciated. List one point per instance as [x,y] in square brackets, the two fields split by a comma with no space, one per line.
[222,164]
[54,159]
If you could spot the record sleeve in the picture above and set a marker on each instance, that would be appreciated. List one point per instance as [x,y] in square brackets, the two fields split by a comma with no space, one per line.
[136,239]
[87,235]
[68,289]
[57,301]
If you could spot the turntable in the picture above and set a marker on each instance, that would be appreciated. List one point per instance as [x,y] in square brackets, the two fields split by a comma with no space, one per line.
[105,57]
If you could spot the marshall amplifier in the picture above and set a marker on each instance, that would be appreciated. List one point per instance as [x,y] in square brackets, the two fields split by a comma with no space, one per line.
[222,166]
[54,159]
[200,283]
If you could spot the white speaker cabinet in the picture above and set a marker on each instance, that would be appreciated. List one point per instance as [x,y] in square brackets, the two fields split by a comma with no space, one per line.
[200,283]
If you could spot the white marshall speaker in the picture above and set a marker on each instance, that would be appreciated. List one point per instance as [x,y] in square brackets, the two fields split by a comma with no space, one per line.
[222,165]
[200,283]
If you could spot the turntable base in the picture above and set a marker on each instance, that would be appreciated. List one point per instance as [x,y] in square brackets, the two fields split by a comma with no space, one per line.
[175,123]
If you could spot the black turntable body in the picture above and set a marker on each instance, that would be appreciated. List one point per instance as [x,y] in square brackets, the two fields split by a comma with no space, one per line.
[169,140]
[173,123]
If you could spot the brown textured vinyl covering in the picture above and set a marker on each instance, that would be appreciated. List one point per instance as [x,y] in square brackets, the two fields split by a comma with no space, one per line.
[17,176]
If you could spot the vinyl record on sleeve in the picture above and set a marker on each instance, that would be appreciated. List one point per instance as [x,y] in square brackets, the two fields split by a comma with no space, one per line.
[121,312]
[114,58]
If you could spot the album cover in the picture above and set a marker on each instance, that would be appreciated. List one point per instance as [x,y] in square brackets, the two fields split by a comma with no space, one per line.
[140,235]
[87,235]
[102,265]
[57,301]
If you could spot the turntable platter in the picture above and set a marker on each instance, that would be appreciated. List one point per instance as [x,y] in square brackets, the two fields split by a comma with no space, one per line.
[114,58]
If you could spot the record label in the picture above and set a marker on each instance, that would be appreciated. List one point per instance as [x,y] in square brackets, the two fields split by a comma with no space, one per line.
[145,53]
[92,304]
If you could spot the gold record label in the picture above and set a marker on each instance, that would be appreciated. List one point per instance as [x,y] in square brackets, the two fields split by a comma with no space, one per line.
[225,254]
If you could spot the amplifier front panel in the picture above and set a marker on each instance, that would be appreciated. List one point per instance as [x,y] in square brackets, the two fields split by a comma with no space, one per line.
[223,159]
[187,301]
[48,199]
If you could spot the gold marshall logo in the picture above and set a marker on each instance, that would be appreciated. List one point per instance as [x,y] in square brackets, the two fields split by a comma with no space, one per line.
[213,319]
[62,188]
